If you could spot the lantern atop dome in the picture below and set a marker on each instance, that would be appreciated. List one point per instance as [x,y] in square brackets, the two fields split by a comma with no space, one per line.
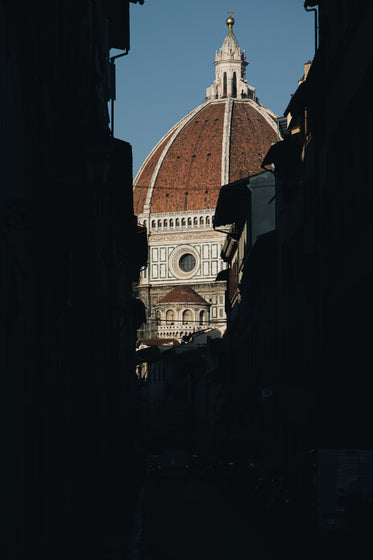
[230,69]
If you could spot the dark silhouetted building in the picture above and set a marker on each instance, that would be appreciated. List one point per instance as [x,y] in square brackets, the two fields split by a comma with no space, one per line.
[70,249]
[246,211]
[308,285]
[324,232]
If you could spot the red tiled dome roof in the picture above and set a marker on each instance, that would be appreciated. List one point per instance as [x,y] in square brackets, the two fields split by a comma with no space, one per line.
[219,142]
[159,341]
[182,294]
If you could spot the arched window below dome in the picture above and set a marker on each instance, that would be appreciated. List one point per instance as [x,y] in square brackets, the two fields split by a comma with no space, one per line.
[171,223]
[165,223]
[183,222]
[187,316]
[189,221]
[195,221]
[202,317]
[201,221]
[234,85]
[207,220]
[170,317]
[177,222]
[153,224]
[159,223]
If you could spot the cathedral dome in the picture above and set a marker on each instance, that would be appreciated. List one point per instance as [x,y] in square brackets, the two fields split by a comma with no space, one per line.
[221,141]
[176,190]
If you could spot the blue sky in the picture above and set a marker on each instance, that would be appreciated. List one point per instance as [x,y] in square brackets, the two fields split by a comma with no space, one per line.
[173,46]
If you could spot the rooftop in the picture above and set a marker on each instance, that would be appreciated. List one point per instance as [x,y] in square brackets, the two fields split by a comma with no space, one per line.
[183,294]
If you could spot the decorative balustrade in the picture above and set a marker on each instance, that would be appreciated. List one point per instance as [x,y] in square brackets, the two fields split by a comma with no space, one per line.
[178,331]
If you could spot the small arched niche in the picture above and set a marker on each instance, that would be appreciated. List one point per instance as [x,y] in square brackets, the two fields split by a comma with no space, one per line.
[187,316]
[170,317]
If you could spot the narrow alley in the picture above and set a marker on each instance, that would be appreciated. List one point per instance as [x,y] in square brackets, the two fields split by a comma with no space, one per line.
[203,515]
[185,350]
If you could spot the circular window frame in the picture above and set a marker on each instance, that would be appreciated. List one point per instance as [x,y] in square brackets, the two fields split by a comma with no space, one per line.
[175,257]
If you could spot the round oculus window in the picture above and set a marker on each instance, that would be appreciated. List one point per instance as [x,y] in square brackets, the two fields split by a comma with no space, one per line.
[184,261]
[187,262]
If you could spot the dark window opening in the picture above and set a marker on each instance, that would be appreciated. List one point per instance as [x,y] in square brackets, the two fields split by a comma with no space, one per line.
[234,85]
[187,262]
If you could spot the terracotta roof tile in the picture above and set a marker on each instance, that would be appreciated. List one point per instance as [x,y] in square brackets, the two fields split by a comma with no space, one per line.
[189,176]
[142,185]
[251,138]
[182,294]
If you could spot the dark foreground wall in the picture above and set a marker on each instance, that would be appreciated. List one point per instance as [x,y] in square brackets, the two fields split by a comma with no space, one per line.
[69,252]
